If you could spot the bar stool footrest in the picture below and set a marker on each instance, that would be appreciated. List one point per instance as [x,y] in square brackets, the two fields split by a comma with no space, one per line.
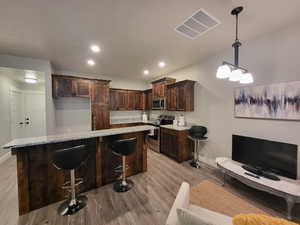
[120,186]
[66,209]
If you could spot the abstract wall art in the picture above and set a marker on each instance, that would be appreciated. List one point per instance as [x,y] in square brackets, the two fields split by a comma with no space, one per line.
[275,101]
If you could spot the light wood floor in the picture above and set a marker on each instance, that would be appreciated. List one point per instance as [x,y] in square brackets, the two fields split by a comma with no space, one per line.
[148,203]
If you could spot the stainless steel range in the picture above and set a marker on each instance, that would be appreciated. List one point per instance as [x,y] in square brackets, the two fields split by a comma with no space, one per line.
[154,140]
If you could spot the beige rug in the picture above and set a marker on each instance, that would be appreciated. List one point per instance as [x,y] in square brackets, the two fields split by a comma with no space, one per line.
[215,198]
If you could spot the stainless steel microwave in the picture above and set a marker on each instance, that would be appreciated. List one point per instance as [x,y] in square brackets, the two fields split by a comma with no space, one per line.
[159,104]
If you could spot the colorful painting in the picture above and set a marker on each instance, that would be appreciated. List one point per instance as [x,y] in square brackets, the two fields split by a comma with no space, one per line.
[275,101]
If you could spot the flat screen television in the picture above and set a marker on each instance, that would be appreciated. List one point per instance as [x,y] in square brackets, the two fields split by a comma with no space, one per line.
[275,157]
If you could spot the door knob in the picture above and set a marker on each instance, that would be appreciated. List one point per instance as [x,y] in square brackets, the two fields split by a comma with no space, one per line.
[26,122]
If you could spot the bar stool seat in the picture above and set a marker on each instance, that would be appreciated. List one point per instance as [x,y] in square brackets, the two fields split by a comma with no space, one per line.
[123,148]
[71,159]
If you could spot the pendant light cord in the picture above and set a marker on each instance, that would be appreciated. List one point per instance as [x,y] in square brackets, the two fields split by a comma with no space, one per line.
[236,27]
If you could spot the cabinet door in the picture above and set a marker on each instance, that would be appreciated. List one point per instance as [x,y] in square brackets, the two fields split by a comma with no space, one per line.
[154,90]
[181,98]
[113,99]
[118,99]
[100,117]
[139,100]
[100,93]
[81,88]
[122,101]
[100,105]
[62,87]
[148,100]
[172,98]
[169,144]
[162,90]
[131,100]
[172,146]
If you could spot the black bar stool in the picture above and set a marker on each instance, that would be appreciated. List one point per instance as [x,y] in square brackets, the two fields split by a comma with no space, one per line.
[71,159]
[197,135]
[123,148]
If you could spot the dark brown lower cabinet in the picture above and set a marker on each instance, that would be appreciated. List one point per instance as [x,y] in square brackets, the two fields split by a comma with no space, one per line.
[175,144]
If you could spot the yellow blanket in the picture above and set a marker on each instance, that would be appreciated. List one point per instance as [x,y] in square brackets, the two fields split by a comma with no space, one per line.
[259,219]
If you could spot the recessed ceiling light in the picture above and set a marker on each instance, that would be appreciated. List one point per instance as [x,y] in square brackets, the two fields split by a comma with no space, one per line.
[161,64]
[95,48]
[30,78]
[146,72]
[91,62]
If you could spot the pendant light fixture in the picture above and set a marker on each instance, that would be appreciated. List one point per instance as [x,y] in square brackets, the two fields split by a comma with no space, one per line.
[233,71]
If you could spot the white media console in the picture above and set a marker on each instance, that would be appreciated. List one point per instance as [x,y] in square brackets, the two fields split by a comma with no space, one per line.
[286,188]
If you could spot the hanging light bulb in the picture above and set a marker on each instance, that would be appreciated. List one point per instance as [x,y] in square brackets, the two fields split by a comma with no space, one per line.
[246,78]
[223,72]
[236,75]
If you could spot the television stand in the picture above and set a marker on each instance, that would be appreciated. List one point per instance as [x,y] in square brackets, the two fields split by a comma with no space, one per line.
[260,172]
[286,188]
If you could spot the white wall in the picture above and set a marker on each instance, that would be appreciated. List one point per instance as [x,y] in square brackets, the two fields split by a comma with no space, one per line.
[25,63]
[272,58]
[6,85]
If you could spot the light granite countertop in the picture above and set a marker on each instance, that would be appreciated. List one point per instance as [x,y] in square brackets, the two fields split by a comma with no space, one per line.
[32,141]
[172,127]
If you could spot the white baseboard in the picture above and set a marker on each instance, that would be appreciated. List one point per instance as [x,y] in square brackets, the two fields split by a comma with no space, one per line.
[5,157]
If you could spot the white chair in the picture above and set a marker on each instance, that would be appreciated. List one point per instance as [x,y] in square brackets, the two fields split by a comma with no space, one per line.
[183,201]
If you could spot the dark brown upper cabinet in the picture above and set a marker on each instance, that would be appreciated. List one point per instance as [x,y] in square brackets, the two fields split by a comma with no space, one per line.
[62,87]
[82,88]
[67,86]
[159,89]
[126,100]
[118,99]
[148,99]
[180,96]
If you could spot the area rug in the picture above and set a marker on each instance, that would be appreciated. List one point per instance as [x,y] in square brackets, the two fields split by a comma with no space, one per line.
[216,198]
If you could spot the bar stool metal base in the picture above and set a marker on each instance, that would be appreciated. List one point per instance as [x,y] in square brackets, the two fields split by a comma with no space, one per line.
[195,164]
[121,186]
[66,209]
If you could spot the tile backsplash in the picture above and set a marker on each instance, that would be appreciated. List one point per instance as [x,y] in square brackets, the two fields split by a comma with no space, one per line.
[125,116]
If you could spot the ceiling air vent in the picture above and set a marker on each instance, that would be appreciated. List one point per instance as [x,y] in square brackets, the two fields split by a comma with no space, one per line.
[198,24]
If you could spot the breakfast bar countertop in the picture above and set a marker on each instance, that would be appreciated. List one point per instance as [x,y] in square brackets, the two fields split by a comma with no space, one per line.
[32,141]
[178,128]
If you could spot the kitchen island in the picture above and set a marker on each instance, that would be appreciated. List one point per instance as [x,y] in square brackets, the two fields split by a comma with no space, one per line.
[40,182]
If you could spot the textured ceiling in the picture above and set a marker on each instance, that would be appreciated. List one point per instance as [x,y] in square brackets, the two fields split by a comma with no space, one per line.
[133,34]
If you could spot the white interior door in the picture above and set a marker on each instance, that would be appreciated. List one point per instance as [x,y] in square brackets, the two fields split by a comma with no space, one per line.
[17,114]
[28,117]
[34,114]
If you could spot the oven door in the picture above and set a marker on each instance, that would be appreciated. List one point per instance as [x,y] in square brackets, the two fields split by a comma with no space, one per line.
[153,140]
